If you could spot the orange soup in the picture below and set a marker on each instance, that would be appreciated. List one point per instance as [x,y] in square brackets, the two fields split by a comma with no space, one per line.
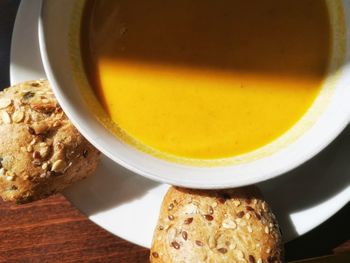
[205,79]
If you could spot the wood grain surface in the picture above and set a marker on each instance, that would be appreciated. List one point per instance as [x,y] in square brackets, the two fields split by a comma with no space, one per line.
[52,230]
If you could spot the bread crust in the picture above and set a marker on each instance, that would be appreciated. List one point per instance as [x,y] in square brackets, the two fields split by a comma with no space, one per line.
[41,152]
[234,225]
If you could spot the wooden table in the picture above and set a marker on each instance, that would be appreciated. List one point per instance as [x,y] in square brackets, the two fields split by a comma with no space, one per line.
[52,230]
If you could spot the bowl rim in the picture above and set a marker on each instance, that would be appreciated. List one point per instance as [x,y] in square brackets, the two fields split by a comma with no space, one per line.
[260,175]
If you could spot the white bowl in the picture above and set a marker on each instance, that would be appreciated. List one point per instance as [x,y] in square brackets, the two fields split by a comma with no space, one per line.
[59,45]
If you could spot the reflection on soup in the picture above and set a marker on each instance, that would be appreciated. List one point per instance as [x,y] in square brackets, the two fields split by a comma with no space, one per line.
[206,79]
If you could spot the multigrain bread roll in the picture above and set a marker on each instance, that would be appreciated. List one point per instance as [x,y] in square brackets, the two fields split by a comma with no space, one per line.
[41,152]
[233,225]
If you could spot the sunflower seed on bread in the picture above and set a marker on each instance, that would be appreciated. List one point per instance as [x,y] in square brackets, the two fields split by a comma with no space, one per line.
[234,225]
[41,152]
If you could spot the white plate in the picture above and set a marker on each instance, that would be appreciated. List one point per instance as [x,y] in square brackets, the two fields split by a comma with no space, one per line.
[118,200]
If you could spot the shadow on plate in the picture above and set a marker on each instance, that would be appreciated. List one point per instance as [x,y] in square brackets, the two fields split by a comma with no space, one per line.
[316,181]
[111,186]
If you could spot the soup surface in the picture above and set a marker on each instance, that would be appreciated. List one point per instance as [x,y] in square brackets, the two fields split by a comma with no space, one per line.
[205,79]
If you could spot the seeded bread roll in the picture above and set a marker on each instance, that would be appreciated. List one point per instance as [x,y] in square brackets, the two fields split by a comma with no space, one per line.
[233,225]
[41,153]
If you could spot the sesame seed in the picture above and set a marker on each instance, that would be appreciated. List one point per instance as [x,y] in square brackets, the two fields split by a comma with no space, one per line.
[67,167]
[250,230]
[268,250]
[233,246]
[155,254]
[30,148]
[251,259]
[199,243]
[188,220]
[259,260]
[264,206]
[175,245]
[85,153]
[209,217]
[10,178]
[210,210]
[171,217]
[44,166]
[160,227]
[267,230]
[247,216]
[171,207]
[237,203]
[184,235]
[171,234]
[2,171]
[214,204]
[240,254]
[190,209]
[228,223]
[56,124]
[222,250]
[34,141]
[211,241]
[43,175]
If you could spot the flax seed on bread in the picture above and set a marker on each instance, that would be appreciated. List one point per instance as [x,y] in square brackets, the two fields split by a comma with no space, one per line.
[41,152]
[234,225]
